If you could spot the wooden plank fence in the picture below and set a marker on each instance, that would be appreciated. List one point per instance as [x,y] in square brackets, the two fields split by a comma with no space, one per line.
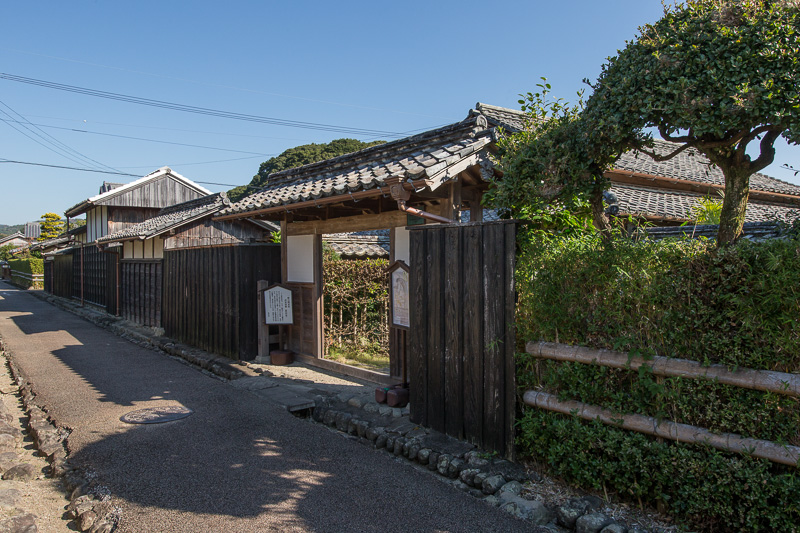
[461,342]
[210,296]
[140,291]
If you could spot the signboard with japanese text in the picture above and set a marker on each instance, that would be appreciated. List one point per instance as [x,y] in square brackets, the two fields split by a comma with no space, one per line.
[400,295]
[278,305]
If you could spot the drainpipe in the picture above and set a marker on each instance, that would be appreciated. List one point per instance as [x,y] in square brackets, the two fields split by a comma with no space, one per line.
[400,194]
[82,302]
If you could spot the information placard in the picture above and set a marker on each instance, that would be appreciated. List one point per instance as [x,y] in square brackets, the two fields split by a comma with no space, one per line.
[278,305]
[400,298]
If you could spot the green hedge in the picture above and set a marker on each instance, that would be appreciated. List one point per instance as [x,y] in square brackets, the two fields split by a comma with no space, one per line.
[30,266]
[737,306]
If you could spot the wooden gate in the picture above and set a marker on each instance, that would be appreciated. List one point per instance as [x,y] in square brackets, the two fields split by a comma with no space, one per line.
[461,342]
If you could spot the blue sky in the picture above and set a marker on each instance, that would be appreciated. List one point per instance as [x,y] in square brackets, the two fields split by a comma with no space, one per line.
[397,67]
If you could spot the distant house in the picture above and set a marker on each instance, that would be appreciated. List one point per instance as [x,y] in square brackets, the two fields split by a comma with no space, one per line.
[118,206]
[15,239]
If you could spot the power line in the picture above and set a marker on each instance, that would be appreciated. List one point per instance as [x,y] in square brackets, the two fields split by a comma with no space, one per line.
[52,141]
[143,139]
[68,168]
[197,110]
[2,160]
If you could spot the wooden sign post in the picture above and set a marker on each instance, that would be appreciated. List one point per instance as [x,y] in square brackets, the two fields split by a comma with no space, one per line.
[274,308]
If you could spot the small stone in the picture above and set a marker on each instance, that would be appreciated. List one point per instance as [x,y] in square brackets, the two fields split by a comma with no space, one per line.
[407,447]
[614,528]
[592,503]
[380,441]
[390,438]
[356,402]
[536,511]
[373,432]
[25,523]
[443,463]
[422,456]
[461,486]
[318,413]
[406,410]
[397,412]
[7,443]
[568,514]
[103,527]
[330,418]
[399,444]
[385,410]
[413,450]
[342,421]
[468,475]
[477,481]
[352,426]
[592,523]
[492,500]
[21,472]
[9,498]
[476,460]
[361,428]
[74,504]
[512,487]
[433,460]
[344,397]
[455,467]
[492,484]
[371,407]
[86,520]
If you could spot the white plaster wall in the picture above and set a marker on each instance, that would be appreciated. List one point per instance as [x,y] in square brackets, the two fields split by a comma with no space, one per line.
[300,258]
[402,247]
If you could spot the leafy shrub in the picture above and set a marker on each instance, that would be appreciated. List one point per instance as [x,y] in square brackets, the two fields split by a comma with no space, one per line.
[737,305]
[356,300]
[29,266]
[711,489]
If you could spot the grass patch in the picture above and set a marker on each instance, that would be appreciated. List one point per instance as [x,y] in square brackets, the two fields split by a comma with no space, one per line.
[349,355]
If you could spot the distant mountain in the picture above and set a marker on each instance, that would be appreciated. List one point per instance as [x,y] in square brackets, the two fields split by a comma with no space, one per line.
[8,230]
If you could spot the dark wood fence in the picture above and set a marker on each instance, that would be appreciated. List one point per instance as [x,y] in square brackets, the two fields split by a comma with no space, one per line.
[210,296]
[98,283]
[96,286]
[461,342]
[140,291]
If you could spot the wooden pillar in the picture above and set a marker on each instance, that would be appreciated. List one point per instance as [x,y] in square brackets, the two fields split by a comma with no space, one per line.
[319,308]
[263,328]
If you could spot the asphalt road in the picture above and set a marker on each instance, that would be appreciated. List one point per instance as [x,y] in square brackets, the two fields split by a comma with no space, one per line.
[236,464]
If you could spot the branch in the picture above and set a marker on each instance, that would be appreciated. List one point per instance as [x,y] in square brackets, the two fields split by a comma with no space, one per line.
[657,157]
[767,151]
[745,140]
[662,130]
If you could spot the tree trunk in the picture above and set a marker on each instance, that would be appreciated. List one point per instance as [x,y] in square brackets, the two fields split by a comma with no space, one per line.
[599,216]
[734,205]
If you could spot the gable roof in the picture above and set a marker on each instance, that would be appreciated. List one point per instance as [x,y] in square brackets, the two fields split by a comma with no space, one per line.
[105,197]
[434,156]
[358,246]
[17,235]
[170,218]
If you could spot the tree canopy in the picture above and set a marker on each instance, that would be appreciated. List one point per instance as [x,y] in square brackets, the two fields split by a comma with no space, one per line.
[721,76]
[298,156]
[51,226]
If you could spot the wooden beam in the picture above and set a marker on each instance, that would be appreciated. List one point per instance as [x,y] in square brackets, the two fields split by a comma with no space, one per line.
[387,219]
[763,380]
[729,442]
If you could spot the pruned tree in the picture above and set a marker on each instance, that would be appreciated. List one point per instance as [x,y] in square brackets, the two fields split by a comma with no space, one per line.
[721,76]
[51,226]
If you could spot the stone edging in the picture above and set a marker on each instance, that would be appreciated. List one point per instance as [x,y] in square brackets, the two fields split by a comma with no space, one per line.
[497,482]
[90,503]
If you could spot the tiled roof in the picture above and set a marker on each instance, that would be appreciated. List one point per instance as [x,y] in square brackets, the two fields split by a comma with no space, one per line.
[508,119]
[17,235]
[349,245]
[170,217]
[430,155]
[694,166]
[750,231]
[647,201]
[688,165]
[51,243]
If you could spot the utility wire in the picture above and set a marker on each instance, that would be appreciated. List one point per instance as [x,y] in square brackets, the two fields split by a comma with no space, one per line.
[49,139]
[143,139]
[197,110]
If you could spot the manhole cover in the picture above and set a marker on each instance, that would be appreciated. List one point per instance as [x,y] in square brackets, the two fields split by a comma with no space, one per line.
[156,415]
